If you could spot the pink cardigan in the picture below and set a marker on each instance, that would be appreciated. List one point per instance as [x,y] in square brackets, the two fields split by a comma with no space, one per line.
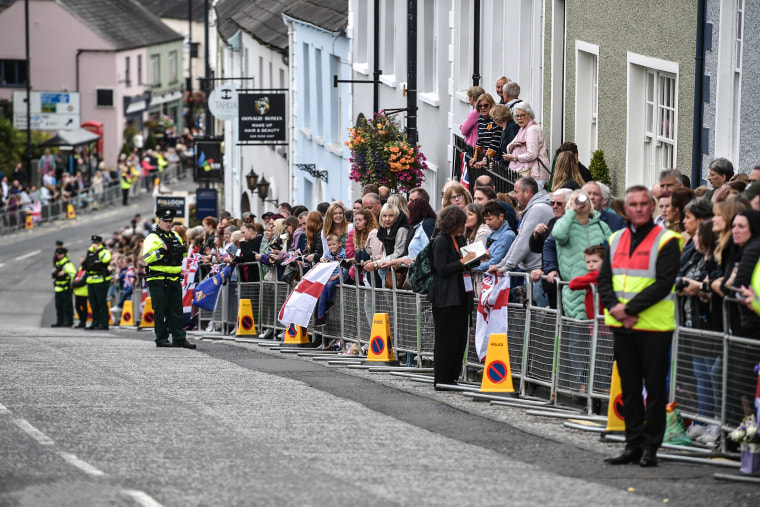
[470,128]
[529,153]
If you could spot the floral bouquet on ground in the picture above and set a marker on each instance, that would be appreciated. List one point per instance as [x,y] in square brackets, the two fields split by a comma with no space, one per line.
[749,438]
[381,154]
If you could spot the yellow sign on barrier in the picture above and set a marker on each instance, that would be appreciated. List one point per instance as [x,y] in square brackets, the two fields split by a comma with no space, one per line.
[615,419]
[497,375]
[147,320]
[380,350]
[246,325]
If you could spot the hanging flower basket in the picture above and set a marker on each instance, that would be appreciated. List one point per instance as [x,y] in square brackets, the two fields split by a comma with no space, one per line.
[381,154]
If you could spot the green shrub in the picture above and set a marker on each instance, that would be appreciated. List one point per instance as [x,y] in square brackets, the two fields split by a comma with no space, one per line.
[599,169]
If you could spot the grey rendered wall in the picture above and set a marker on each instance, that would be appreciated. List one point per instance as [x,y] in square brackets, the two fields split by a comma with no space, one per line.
[749,145]
[665,30]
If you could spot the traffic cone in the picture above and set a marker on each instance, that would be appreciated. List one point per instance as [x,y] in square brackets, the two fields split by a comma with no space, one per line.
[127,316]
[29,224]
[380,345]
[110,314]
[497,375]
[70,213]
[246,325]
[147,320]
[295,336]
[89,313]
[615,419]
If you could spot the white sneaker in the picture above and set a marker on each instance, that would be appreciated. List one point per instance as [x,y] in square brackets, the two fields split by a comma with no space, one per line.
[695,431]
[711,435]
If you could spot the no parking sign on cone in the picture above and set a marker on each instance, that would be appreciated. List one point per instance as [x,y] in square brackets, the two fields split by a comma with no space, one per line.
[246,325]
[296,336]
[380,345]
[497,375]
[615,419]
[148,318]
[127,315]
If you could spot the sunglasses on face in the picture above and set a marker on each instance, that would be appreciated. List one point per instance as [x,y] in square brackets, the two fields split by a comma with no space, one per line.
[558,203]
[484,106]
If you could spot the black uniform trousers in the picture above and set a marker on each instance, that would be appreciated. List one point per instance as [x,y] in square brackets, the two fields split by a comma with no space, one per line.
[643,355]
[450,342]
[166,297]
[64,309]
[97,294]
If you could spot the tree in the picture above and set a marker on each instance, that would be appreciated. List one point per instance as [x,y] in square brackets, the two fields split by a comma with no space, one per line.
[11,146]
[599,169]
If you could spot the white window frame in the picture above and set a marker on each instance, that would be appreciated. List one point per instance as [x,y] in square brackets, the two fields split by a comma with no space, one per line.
[428,25]
[155,70]
[729,78]
[652,141]
[173,69]
[586,114]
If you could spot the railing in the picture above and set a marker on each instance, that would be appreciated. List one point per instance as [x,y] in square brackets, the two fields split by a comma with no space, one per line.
[504,180]
[552,357]
[84,203]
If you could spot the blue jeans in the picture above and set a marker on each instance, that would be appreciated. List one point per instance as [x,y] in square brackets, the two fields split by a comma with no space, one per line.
[708,371]
[125,294]
[327,296]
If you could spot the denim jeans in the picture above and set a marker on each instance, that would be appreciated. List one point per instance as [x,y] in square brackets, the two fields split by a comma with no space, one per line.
[327,296]
[708,371]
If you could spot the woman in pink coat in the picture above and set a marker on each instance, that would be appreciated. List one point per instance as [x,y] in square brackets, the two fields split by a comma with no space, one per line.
[469,128]
[526,153]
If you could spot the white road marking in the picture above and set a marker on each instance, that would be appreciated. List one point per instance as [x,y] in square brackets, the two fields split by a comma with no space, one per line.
[2,264]
[3,408]
[81,465]
[30,254]
[142,498]
[33,432]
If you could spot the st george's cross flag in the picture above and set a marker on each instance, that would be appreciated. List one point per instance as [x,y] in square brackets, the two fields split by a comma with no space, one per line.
[492,310]
[300,304]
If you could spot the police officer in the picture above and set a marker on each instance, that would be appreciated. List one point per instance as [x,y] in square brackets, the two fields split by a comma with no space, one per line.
[163,252]
[636,284]
[63,275]
[98,279]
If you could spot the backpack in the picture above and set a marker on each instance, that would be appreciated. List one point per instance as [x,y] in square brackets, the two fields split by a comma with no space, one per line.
[421,271]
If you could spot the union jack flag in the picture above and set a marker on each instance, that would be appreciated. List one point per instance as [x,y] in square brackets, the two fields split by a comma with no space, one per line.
[464,180]
[291,256]
[129,277]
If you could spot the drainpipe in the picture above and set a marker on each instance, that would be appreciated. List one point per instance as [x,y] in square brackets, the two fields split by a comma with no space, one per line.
[476,45]
[411,72]
[376,58]
[699,72]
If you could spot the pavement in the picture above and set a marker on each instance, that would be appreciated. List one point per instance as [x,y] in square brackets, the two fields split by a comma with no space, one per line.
[106,418]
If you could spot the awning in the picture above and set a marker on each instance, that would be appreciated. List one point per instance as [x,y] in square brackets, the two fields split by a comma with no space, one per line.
[136,107]
[76,137]
[157,100]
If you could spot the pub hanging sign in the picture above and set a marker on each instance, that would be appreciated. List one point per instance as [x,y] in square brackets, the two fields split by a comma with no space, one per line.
[262,117]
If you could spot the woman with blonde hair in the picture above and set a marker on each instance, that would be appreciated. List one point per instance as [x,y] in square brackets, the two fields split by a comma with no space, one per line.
[566,169]
[456,194]
[335,223]
[724,213]
[400,202]
[489,133]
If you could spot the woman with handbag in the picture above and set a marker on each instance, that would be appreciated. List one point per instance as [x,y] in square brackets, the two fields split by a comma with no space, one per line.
[451,295]
[526,153]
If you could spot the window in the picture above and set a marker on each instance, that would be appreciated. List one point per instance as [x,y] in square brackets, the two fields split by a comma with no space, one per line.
[319,130]
[139,71]
[334,101]
[652,137]
[13,72]
[104,97]
[428,21]
[586,99]
[362,33]
[729,79]
[127,77]
[155,70]
[306,87]
[173,69]
[388,39]
[464,44]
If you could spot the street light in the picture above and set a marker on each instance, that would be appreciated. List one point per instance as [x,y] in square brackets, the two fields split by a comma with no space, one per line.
[251,179]
[263,187]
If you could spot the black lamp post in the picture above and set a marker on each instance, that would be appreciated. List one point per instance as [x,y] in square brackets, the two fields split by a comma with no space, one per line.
[251,180]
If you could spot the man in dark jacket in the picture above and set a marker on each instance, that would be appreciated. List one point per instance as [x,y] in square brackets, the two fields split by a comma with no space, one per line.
[249,247]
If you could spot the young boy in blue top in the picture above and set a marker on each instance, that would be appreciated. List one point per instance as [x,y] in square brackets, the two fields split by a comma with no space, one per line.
[501,237]
[335,252]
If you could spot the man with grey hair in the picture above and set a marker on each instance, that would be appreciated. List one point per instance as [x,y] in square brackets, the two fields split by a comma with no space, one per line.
[594,191]
[670,179]
[720,172]
[536,210]
[500,88]
[511,93]
[372,202]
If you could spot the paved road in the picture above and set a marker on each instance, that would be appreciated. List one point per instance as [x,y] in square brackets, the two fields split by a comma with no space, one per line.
[105,418]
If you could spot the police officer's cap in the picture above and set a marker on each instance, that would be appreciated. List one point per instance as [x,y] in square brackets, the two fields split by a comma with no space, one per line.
[59,242]
[61,251]
[166,214]
[96,239]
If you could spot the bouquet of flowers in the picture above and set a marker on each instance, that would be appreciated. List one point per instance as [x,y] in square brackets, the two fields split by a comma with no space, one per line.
[381,154]
[747,435]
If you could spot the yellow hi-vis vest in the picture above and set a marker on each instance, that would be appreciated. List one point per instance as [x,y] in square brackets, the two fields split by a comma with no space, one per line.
[632,272]
[756,287]
[159,261]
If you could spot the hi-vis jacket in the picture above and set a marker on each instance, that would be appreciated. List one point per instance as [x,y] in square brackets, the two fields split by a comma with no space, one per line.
[163,261]
[63,282]
[632,272]
[96,264]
